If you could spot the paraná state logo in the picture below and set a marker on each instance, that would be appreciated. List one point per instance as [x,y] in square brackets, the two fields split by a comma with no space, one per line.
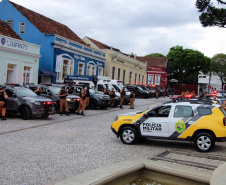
[180,126]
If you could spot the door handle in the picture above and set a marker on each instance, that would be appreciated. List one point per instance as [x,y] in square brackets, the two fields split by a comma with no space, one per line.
[191,122]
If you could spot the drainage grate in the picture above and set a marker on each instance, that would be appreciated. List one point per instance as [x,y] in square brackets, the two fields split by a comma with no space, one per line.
[206,161]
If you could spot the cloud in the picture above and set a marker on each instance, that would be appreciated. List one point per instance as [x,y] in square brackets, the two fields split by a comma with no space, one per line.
[143,27]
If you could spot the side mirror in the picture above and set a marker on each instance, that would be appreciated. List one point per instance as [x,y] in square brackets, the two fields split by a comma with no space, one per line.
[14,96]
[146,114]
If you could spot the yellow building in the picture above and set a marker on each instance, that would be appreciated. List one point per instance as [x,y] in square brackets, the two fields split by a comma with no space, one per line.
[120,66]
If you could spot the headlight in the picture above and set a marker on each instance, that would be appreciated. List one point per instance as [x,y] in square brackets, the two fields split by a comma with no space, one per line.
[36,102]
[116,118]
[68,99]
[100,98]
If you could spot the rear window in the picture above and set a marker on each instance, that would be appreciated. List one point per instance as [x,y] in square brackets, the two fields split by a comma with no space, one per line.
[204,111]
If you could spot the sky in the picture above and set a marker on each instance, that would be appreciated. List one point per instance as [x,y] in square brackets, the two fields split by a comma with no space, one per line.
[138,26]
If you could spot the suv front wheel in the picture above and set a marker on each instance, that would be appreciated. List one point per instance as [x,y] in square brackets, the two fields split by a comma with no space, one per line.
[25,113]
[129,135]
[204,141]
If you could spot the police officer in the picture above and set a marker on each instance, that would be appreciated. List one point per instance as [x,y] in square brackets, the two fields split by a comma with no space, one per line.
[87,96]
[70,90]
[131,99]
[106,90]
[112,96]
[122,93]
[82,104]
[63,102]
[3,98]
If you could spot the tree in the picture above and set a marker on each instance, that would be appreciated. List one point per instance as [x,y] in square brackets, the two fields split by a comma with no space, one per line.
[218,64]
[211,16]
[155,55]
[184,63]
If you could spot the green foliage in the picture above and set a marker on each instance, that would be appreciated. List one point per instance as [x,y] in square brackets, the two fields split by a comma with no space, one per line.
[218,64]
[185,64]
[155,55]
[211,16]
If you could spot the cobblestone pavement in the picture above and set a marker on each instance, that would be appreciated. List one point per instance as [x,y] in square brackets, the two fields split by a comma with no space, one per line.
[46,151]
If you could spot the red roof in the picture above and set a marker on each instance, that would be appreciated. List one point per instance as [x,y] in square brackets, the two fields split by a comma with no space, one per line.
[47,25]
[6,30]
[154,61]
[101,45]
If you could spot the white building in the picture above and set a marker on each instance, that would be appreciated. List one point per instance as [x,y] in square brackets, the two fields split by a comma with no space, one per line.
[19,60]
[203,83]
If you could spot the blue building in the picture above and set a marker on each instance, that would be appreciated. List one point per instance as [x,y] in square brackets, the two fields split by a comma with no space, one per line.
[62,51]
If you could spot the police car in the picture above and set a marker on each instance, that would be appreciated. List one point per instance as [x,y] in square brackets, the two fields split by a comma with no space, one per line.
[203,123]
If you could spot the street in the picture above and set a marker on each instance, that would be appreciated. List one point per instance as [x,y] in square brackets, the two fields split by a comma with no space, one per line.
[47,151]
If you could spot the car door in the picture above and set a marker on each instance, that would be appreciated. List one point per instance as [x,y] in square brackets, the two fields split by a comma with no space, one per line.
[12,101]
[182,118]
[156,122]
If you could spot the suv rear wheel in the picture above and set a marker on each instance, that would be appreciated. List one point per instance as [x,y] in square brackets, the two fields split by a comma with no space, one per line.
[204,141]
[129,135]
[25,113]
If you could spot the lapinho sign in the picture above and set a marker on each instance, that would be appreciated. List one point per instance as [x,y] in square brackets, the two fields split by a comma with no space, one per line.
[13,44]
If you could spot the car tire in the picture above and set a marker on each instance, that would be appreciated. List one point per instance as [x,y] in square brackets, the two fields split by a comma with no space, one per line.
[25,113]
[93,105]
[129,135]
[204,142]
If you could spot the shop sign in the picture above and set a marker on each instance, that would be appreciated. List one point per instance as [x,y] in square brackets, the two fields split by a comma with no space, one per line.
[10,43]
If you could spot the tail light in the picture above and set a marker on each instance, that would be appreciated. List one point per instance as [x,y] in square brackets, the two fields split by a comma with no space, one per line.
[78,99]
[224,121]
[188,96]
[55,103]
[46,103]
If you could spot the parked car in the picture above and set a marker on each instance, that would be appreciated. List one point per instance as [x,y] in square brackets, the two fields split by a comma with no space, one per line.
[25,102]
[152,92]
[139,92]
[96,99]
[186,120]
[52,93]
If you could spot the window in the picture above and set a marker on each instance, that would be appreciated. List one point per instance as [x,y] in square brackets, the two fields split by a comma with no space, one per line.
[22,28]
[142,79]
[157,79]
[100,71]
[113,73]
[91,70]
[183,111]
[67,69]
[119,73]
[100,87]
[204,111]
[81,67]
[27,74]
[124,76]
[130,77]
[9,93]
[160,112]
[139,79]
[135,78]
[11,73]
[9,22]
[150,79]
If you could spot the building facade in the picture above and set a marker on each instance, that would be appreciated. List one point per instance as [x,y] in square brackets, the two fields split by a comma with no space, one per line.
[156,70]
[120,66]
[62,51]
[19,59]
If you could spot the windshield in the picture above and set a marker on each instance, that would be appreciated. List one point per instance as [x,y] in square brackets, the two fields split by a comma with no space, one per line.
[140,88]
[55,90]
[121,86]
[25,92]
[110,87]
[116,87]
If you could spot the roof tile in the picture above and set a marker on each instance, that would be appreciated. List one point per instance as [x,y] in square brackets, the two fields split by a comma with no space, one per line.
[154,61]
[47,25]
[6,30]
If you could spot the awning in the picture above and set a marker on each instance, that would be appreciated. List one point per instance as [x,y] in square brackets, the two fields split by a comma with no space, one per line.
[47,72]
